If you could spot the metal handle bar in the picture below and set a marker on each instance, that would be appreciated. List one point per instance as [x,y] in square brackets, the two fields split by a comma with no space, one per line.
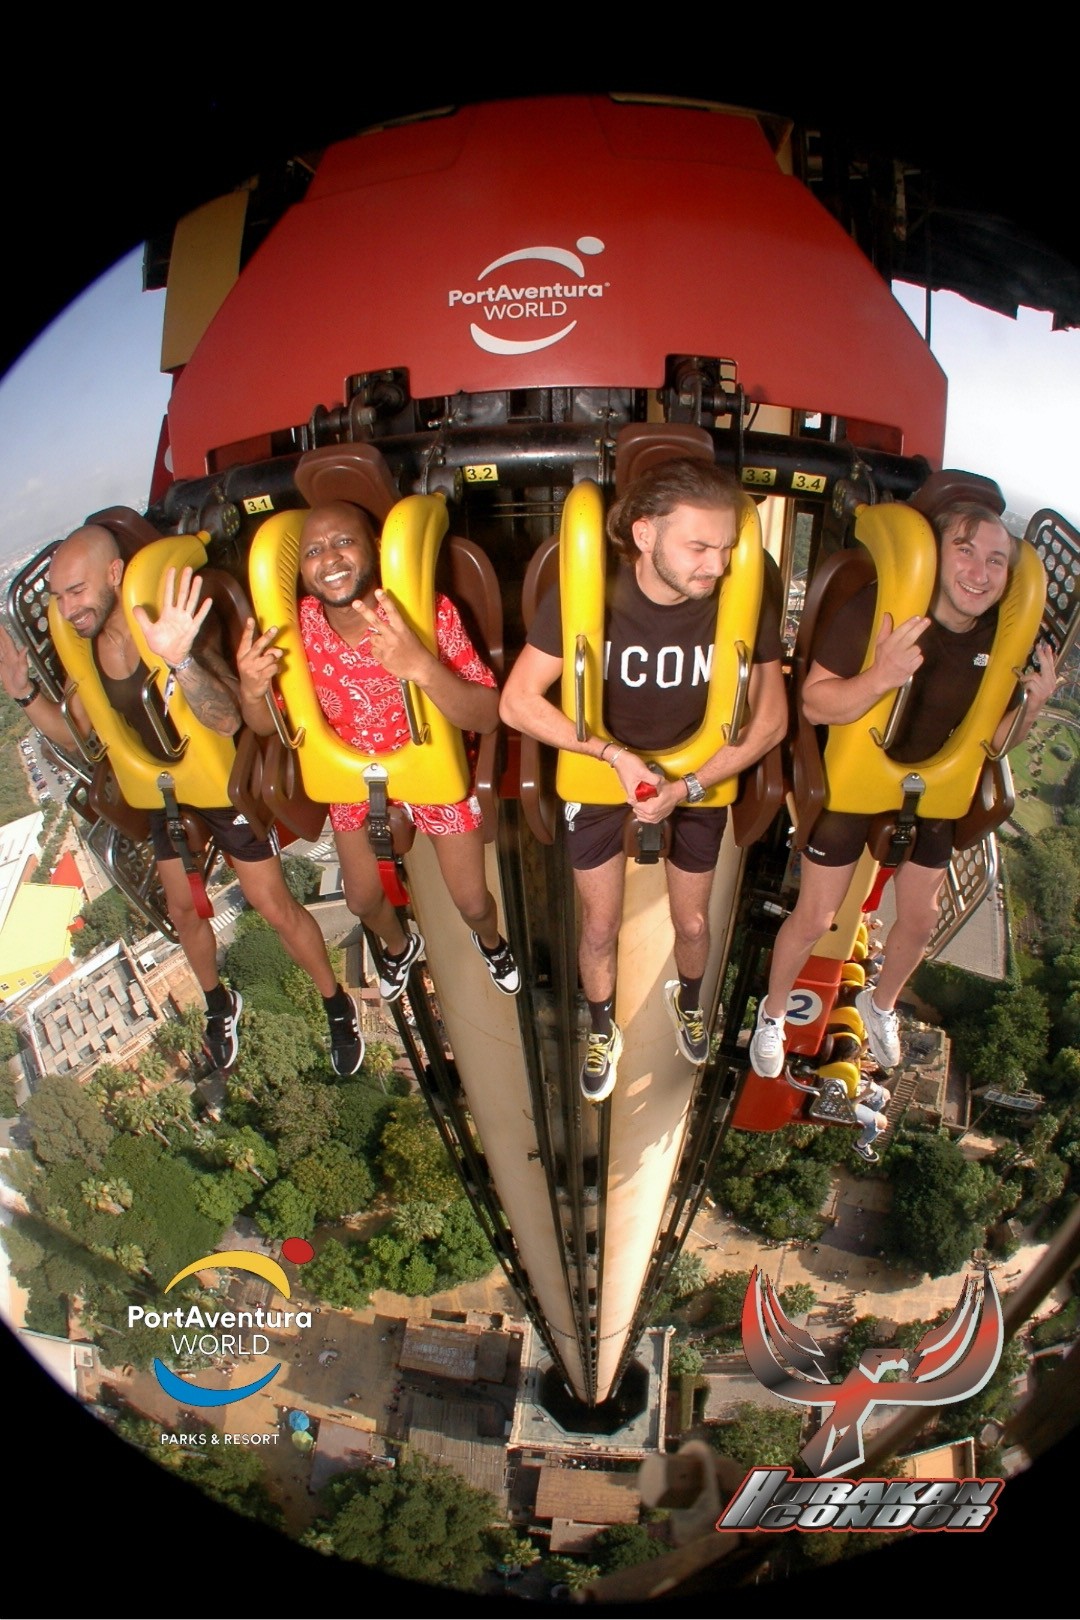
[742,686]
[896,714]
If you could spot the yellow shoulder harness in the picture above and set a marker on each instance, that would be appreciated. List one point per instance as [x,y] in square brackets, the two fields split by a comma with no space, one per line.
[582,778]
[201,773]
[431,770]
[861,778]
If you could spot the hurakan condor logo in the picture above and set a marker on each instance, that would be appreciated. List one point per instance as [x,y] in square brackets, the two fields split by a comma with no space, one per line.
[532,299]
[949,1364]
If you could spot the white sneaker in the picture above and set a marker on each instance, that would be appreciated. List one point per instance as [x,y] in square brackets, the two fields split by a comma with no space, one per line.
[882,1030]
[394,972]
[767,1044]
[501,965]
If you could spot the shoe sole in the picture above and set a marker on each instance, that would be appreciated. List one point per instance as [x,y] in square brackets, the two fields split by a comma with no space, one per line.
[613,1075]
[764,1074]
[239,1000]
[399,990]
[682,1043]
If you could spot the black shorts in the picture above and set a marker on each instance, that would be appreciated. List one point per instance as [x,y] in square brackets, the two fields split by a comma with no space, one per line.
[594,834]
[838,839]
[232,834]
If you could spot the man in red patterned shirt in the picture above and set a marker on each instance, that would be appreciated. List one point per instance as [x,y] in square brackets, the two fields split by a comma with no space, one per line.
[359,650]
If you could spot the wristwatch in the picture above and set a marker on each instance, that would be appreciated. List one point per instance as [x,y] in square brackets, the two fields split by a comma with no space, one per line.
[35,691]
[694,790]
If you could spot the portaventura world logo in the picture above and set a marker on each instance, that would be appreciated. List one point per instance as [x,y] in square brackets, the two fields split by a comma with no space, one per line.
[507,302]
[199,1331]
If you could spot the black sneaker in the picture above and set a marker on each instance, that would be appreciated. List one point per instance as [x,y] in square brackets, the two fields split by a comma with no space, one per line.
[394,973]
[866,1153]
[501,965]
[691,1036]
[600,1069]
[346,1040]
[221,1040]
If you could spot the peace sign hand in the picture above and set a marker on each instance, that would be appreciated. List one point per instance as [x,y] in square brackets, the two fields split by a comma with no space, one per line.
[1042,681]
[398,650]
[257,662]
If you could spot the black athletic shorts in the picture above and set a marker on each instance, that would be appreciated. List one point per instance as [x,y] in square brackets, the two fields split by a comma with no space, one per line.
[231,831]
[594,834]
[838,839]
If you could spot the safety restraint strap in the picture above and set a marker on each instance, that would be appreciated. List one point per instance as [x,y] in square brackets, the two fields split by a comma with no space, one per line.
[379,835]
[174,826]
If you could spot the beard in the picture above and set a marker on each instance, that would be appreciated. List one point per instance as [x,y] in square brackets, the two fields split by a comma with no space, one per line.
[364,581]
[693,590]
[101,611]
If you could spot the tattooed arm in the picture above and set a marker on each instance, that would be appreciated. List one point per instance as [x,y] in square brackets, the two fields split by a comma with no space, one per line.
[187,638]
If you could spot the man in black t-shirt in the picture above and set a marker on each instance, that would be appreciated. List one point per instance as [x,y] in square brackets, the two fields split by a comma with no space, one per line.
[85,576]
[675,529]
[946,653]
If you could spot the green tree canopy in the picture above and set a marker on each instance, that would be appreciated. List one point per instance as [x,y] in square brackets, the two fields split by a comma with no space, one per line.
[105,920]
[413,1158]
[688,1274]
[301,1115]
[622,1546]
[761,1436]
[303,877]
[938,1199]
[65,1123]
[284,1211]
[333,1276]
[336,1183]
[275,1048]
[416,1521]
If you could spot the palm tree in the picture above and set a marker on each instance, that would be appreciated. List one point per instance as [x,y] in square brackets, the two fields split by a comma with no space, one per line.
[108,1197]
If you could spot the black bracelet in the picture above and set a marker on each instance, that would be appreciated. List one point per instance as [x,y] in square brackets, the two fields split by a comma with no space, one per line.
[34,692]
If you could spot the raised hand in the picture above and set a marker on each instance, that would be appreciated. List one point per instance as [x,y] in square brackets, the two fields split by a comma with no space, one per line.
[14,666]
[398,650]
[172,635]
[896,652]
[257,662]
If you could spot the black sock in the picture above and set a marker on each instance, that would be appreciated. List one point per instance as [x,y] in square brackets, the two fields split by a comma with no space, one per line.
[218,1001]
[337,1003]
[495,949]
[397,956]
[600,1014]
[689,994]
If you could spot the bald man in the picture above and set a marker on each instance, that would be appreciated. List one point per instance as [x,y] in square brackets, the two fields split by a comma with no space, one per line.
[84,578]
[359,650]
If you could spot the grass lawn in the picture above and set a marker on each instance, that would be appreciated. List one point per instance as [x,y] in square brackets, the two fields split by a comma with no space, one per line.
[1037,813]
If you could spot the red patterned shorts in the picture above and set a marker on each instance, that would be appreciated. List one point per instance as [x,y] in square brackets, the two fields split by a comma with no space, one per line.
[437,820]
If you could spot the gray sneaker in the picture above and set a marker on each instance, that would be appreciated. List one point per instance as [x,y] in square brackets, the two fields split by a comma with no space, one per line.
[600,1069]
[767,1044]
[691,1036]
[882,1030]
